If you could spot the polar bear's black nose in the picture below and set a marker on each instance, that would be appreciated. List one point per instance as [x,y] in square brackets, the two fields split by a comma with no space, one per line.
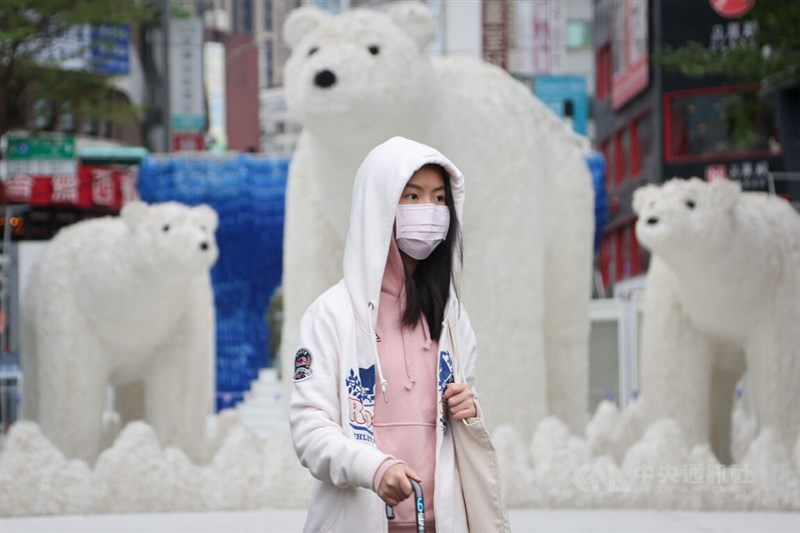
[325,78]
[652,221]
[204,246]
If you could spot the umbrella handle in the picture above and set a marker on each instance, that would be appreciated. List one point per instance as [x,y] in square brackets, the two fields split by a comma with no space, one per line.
[419,505]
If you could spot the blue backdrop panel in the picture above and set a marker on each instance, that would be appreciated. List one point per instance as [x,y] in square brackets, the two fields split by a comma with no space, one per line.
[597,166]
[248,194]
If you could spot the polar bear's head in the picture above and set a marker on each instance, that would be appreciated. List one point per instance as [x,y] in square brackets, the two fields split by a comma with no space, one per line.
[685,215]
[172,239]
[358,69]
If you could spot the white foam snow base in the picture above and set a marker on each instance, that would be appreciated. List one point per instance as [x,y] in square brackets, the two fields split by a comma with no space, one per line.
[611,468]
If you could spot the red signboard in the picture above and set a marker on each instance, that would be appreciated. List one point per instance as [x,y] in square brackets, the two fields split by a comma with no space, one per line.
[495,32]
[93,186]
[188,141]
[732,9]
[630,55]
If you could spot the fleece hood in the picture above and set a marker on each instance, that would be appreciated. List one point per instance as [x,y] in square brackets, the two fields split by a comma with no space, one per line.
[379,183]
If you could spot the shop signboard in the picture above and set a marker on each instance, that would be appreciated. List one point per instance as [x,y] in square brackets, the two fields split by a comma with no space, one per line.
[630,55]
[39,155]
[188,141]
[566,96]
[92,186]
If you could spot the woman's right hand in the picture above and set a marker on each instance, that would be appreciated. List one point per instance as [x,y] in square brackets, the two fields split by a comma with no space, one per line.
[395,486]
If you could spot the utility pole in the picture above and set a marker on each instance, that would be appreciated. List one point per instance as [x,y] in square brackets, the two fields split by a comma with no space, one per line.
[167,111]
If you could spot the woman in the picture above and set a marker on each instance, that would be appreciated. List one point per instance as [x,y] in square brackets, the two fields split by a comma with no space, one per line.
[373,387]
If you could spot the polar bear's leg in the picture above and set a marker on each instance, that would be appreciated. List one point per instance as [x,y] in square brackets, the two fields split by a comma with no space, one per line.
[723,386]
[73,379]
[676,359]
[312,256]
[773,367]
[507,313]
[30,371]
[566,332]
[179,382]
[568,270]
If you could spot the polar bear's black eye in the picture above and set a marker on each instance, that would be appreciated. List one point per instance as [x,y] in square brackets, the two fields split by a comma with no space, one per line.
[313,51]
[374,49]
[690,204]
[165,228]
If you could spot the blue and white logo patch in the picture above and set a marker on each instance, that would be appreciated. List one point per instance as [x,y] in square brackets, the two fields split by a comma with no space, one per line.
[302,365]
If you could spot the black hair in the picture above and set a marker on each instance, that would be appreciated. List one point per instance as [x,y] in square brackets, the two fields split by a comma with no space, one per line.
[428,289]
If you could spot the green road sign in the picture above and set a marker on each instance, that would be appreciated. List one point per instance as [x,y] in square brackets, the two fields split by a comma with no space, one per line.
[51,147]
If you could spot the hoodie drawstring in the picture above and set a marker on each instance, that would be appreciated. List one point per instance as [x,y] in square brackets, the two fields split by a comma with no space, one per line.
[374,341]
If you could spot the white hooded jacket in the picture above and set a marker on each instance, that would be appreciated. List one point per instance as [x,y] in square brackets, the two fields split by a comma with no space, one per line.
[337,370]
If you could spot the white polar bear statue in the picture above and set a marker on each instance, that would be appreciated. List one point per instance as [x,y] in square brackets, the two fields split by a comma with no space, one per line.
[723,297]
[357,79]
[124,301]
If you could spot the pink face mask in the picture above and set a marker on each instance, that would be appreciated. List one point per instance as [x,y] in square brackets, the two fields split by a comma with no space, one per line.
[420,228]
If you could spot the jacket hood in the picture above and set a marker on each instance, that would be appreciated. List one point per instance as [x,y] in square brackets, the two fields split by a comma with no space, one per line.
[379,183]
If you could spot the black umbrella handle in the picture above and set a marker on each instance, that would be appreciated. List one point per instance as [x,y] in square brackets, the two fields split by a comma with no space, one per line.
[419,504]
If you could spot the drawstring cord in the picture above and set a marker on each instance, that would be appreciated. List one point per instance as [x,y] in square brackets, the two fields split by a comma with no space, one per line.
[374,341]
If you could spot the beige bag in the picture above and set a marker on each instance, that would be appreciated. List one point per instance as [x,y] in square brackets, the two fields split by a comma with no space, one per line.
[476,461]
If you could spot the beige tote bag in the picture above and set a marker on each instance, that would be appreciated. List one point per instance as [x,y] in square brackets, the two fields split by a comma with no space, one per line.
[476,461]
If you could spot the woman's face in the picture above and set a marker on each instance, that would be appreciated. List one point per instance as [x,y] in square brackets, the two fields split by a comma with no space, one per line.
[426,186]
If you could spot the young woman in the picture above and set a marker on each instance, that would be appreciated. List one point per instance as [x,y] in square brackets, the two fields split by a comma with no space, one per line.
[373,391]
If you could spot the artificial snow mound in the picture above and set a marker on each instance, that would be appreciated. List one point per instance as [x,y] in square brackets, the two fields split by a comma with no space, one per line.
[555,469]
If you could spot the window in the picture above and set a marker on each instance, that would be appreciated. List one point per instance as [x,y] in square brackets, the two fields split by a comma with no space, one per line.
[243,15]
[621,150]
[722,121]
[607,260]
[621,257]
[579,34]
[603,73]
[268,72]
[267,7]
[609,151]
[641,144]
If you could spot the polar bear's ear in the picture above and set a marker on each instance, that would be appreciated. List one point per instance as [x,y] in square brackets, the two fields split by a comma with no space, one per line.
[725,193]
[207,216]
[133,213]
[642,196]
[416,19]
[301,22]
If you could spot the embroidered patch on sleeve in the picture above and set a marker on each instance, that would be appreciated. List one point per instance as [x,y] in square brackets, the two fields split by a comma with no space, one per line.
[302,365]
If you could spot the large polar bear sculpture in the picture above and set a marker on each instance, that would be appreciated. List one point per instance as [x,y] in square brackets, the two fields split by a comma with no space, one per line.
[357,79]
[723,296]
[124,301]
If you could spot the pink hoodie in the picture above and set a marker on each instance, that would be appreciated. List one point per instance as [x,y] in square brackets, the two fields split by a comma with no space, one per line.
[405,425]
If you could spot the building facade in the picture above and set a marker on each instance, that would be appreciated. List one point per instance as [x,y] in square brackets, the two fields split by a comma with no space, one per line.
[654,123]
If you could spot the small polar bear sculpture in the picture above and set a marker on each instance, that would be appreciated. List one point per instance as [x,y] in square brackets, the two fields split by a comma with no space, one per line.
[124,301]
[360,78]
[723,297]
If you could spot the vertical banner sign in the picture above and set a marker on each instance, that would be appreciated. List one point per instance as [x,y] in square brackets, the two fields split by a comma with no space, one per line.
[186,74]
[630,57]
[215,87]
[549,38]
[494,14]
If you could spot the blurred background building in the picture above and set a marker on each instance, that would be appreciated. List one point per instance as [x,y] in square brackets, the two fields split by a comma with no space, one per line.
[198,79]
[654,122]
